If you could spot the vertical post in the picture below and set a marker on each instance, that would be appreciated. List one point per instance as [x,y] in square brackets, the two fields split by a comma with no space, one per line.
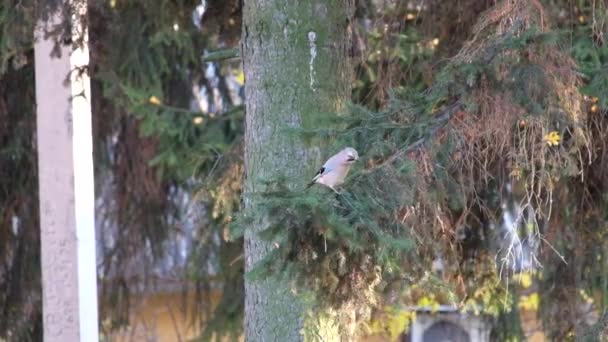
[65,168]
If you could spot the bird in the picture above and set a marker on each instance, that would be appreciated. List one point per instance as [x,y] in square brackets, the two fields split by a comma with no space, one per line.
[335,169]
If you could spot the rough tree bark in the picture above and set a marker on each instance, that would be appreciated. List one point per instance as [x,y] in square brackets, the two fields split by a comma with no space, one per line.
[296,58]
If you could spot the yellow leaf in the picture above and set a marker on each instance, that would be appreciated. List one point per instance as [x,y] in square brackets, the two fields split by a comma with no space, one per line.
[525,279]
[430,302]
[529,303]
[154,100]
[552,139]
[391,322]
[240,77]
[400,320]
[197,120]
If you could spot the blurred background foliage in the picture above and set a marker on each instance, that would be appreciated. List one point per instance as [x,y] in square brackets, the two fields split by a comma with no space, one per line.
[508,96]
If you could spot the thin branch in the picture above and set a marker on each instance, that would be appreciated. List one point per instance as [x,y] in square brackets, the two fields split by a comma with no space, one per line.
[227,115]
[440,122]
[220,55]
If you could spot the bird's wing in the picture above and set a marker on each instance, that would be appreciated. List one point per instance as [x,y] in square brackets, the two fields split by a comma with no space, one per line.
[320,173]
[323,170]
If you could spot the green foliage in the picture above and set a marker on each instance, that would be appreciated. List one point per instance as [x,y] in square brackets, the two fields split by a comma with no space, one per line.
[189,142]
[336,245]
[14,36]
[592,59]
[156,60]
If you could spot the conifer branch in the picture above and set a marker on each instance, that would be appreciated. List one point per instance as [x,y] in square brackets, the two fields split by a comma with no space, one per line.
[440,122]
[220,55]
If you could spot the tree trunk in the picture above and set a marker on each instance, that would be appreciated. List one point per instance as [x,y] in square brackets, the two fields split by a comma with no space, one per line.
[296,58]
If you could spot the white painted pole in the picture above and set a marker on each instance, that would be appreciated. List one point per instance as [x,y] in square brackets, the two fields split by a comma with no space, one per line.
[65,168]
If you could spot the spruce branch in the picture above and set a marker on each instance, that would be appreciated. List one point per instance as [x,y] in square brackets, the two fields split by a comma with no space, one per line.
[220,55]
[442,119]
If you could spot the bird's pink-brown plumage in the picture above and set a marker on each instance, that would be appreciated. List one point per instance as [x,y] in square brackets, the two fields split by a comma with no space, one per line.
[336,168]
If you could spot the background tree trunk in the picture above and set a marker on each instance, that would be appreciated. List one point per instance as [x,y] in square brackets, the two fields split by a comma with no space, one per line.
[296,59]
